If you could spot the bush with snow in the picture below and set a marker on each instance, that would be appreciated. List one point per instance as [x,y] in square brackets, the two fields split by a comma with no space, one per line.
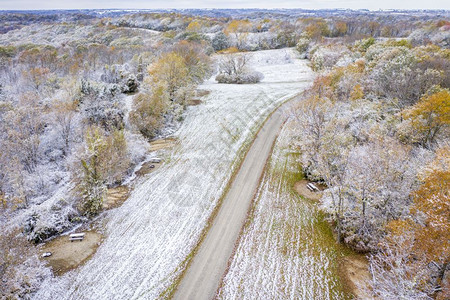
[303,44]
[234,68]
[220,41]
[326,57]
[247,77]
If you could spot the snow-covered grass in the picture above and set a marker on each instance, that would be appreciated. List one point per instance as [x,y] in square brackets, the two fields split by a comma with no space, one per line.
[287,250]
[148,238]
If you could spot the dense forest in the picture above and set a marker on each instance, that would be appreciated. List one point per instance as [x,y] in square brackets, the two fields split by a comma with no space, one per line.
[374,129]
[82,95]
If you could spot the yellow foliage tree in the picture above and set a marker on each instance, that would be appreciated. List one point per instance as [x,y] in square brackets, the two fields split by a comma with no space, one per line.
[316,29]
[341,28]
[103,162]
[357,92]
[170,69]
[37,77]
[91,178]
[149,109]
[194,26]
[195,60]
[430,116]
[239,30]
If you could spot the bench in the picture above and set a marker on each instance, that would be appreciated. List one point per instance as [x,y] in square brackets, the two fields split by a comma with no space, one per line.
[155,160]
[312,187]
[76,237]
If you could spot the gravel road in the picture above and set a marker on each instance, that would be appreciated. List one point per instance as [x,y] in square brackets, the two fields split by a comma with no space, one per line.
[205,272]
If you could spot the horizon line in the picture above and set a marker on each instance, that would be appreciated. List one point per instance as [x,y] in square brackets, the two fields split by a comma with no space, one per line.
[235,8]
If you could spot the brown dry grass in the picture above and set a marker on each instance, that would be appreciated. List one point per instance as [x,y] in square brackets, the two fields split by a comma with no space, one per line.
[194,102]
[202,93]
[116,196]
[162,144]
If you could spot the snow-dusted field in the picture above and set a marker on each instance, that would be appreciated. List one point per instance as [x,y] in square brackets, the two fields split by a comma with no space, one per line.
[286,250]
[152,233]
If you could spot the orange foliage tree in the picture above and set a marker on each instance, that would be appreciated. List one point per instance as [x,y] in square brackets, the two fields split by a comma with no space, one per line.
[429,242]
[430,116]
[432,200]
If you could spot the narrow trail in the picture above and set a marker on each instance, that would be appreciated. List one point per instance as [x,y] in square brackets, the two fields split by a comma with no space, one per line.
[205,272]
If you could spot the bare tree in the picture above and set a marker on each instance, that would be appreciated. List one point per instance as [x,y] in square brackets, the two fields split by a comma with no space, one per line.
[233,68]
[395,273]
[233,64]
[64,120]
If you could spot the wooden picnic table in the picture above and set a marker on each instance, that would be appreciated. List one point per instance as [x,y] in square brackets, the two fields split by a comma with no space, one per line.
[76,236]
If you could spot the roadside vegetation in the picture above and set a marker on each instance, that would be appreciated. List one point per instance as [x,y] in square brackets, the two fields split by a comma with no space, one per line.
[375,129]
[287,249]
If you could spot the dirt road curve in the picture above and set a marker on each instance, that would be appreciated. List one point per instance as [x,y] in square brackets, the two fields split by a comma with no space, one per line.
[205,272]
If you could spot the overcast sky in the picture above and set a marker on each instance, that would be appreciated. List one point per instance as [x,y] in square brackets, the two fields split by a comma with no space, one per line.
[315,4]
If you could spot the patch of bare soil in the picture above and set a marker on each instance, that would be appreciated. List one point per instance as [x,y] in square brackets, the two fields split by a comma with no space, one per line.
[67,255]
[116,196]
[147,168]
[194,102]
[162,144]
[301,189]
[202,93]
[356,276]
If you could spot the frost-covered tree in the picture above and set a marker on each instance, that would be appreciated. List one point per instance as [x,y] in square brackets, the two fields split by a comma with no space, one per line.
[64,114]
[303,44]
[395,74]
[220,42]
[102,161]
[378,181]
[395,274]
[23,126]
[21,271]
[234,68]
[311,118]
[91,179]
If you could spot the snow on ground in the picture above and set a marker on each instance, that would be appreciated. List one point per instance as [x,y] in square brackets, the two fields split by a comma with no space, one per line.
[287,250]
[151,234]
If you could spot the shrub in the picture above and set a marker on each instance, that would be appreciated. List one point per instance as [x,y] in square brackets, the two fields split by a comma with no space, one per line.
[233,68]
[220,42]
[303,44]
[247,77]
